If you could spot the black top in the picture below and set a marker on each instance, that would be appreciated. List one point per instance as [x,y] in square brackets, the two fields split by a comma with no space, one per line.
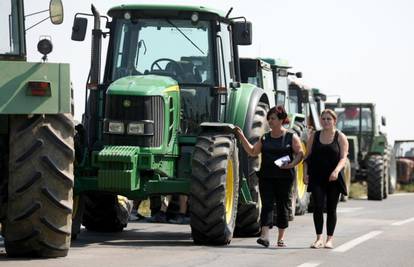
[323,161]
[273,149]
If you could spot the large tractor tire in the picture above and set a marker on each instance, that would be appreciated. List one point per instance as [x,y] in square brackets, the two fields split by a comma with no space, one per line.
[299,197]
[347,179]
[300,200]
[4,148]
[375,177]
[248,214]
[40,187]
[105,212]
[214,189]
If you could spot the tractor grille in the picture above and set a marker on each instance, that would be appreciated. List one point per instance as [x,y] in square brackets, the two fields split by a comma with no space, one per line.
[141,108]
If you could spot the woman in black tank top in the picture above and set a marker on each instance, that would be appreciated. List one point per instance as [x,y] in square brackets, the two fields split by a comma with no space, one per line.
[327,152]
[275,183]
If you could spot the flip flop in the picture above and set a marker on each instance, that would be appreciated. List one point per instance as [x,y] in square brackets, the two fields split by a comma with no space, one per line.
[263,242]
[317,244]
[281,243]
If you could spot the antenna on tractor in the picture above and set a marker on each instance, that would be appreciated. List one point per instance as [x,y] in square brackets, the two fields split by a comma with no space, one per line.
[228,13]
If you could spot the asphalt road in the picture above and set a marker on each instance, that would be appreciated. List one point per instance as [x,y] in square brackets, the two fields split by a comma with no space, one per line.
[368,233]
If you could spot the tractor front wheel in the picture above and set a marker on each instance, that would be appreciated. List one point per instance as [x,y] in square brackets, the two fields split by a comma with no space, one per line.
[375,177]
[214,189]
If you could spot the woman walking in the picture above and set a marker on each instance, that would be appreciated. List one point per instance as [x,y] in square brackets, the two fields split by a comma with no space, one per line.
[275,182]
[327,151]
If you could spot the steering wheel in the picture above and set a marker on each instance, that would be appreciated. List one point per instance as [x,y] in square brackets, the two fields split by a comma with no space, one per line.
[172,66]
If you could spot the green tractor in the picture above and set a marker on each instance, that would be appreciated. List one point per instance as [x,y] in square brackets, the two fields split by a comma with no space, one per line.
[370,152]
[161,120]
[36,142]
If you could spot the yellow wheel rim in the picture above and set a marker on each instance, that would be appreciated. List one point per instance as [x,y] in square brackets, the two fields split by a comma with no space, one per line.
[301,187]
[229,191]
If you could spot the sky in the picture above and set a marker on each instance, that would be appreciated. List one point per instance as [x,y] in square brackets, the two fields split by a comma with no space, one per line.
[360,50]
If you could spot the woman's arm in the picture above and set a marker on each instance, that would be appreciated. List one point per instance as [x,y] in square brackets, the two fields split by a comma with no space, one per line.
[343,145]
[297,153]
[252,150]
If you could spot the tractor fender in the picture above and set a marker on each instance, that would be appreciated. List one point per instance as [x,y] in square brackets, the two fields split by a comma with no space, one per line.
[379,145]
[243,102]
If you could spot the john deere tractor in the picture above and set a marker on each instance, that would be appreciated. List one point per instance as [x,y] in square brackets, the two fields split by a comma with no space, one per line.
[161,120]
[370,152]
[36,142]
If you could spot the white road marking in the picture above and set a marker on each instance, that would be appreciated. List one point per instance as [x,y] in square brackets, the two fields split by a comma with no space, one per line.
[309,264]
[403,222]
[348,210]
[350,244]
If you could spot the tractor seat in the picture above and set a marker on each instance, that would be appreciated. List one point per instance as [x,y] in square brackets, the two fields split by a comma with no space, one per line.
[191,73]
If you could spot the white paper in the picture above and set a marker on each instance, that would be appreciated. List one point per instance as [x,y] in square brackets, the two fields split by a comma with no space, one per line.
[282,161]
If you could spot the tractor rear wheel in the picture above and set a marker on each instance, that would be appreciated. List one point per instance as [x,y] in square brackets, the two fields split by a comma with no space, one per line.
[375,177]
[40,187]
[300,196]
[105,212]
[347,179]
[214,189]
[248,214]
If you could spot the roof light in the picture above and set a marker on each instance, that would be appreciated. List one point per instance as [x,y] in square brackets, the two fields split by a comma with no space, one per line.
[194,17]
[127,16]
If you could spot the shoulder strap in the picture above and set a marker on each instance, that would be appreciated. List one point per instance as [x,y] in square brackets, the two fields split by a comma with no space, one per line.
[287,135]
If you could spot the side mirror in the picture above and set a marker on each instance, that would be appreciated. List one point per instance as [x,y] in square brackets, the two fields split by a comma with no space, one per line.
[339,102]
[298,74]
[79,29]
[305,96]
[383,121]
[242,33]
[56,11]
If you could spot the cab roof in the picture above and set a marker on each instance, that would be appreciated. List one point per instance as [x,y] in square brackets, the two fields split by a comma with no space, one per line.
[165,8]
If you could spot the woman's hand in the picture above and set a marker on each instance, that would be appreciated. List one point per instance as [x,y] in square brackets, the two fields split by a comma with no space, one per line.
[237,131]
[333,176]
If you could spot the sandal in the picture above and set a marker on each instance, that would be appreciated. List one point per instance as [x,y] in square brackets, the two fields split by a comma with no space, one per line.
[317,244]
[263,242]
[281,243]
[329,244]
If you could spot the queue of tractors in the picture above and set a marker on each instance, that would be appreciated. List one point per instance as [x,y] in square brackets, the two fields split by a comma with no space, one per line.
[159,122]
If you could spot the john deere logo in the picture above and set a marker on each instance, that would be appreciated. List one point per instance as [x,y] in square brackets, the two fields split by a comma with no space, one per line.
[126,103]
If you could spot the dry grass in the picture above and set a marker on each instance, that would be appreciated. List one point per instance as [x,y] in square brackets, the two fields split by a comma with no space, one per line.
[405,188]
[358,190]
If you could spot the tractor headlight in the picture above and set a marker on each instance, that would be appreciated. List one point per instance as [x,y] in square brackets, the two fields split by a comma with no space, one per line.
[136,128]
[116,127]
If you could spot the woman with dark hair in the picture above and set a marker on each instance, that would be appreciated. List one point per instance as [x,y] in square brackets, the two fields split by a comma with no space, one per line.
[327,151]
[280,151]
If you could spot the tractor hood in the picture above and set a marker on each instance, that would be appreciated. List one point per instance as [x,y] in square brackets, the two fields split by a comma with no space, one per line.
[142,85]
